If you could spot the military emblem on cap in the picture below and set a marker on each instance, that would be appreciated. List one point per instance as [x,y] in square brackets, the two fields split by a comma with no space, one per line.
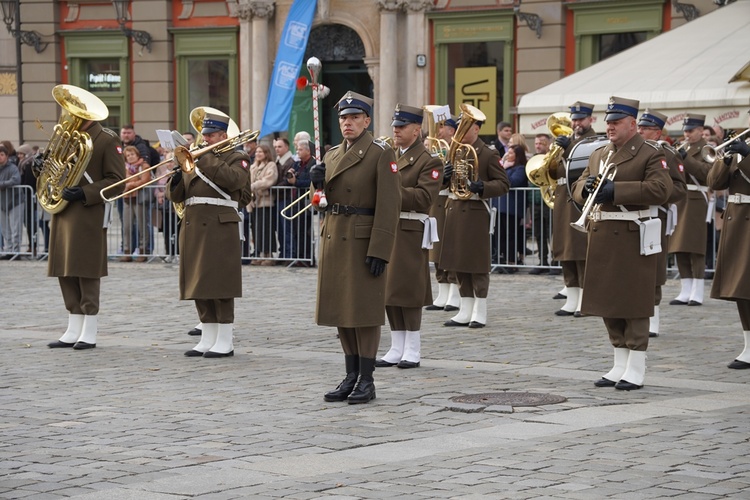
[353,103]
[652,118]
[214,123]
[581,110]
[403,115]
[692,121]
[619,108]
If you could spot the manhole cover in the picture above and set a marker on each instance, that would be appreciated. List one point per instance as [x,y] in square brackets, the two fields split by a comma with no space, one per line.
[509,398]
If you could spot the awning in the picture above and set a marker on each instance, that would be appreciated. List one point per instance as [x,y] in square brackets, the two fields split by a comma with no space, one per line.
[687,69]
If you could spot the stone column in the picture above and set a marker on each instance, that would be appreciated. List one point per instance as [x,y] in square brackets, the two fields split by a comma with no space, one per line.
[244,14]
[262,12]
[386,90]
[416,44]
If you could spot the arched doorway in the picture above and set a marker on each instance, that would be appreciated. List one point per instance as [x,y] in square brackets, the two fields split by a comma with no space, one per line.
[342,54]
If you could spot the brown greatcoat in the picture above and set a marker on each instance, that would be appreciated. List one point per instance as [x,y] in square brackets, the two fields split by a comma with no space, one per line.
[732,276]
[437,210]
[78,240]
[364,176]
[210,260]
[568,244]
[466,236]
[690,235]
[408,283]
[679,191]
[619,282]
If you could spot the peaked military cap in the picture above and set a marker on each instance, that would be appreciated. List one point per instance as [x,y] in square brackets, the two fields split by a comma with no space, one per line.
[619,108]
[692,121]
[581,110]
[403,115]
[214,123]
[353,103]
[652,118]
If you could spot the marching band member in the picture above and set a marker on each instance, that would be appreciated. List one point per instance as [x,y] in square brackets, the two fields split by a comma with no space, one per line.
[620,279]
[569,245]
[362,185]
[78,238]
[650,126]
[732,276]
[468,222]
[211,193]
[408,286]
[688,242]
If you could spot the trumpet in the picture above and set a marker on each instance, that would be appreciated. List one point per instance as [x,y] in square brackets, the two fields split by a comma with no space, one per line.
[609,173]
[711,154]
[184,160]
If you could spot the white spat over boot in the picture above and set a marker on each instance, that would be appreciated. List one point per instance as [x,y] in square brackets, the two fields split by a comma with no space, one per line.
[395,353]
[87,340]
[635,373]
[223,346]
[209,332]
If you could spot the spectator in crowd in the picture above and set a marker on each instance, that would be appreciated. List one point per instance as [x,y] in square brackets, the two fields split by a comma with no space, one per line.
[300,136]
[250,148]
[151,157]
[299,177]
[263,174]
[511,210]
[11,205]
[284,162]
[135,206]
[539,216]
[504,131]
[12,156]
[25,163]
[166,218]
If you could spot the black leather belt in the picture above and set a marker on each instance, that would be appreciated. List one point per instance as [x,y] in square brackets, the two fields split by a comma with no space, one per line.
[339,209]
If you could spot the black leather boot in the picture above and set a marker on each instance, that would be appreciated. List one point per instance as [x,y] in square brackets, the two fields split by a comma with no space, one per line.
[365,389]
[345,388]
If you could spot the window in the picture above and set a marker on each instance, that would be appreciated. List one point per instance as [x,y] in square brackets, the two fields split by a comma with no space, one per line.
[208,83]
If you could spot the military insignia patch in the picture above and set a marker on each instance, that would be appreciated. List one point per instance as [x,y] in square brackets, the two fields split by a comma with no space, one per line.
[435,174]
[119,150]
[681,167]
[244,164]
[664,164]
[394,167]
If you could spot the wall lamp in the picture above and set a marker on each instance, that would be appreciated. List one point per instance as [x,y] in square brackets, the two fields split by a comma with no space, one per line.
[142,38]
[32,38]
[688,11]
[533,21]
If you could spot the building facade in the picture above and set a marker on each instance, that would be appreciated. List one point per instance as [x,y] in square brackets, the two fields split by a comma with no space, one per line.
[161,58]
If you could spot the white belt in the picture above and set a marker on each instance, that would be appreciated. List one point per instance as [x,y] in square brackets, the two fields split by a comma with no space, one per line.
[444,192]
[204,200]
[695,187]
[738,198]
[562,181]
[632,215]
[474,196]
[414,216]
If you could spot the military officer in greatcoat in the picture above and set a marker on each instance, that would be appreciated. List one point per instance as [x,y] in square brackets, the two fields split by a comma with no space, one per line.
[78,238]
[650,126]
[568,244]
[361,181]
[408,287]
[620,279]
[688,242]
[448,296]
[210,249]
[466,236]
[732,277]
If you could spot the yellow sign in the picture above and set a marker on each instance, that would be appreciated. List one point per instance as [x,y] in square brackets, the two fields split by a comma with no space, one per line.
[478,87]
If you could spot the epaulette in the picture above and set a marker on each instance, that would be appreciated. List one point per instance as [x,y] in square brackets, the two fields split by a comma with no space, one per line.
[111,132]
[380,143]
[435,155]
[335,147]
[491,147]
[653,144]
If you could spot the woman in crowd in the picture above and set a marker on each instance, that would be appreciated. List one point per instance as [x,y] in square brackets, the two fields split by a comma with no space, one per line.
[511,209]
[263,175]
[134,209]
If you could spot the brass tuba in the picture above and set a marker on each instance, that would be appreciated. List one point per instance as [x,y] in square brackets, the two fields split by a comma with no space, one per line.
[437,146]
[539,166]
[464,157]
[69,149]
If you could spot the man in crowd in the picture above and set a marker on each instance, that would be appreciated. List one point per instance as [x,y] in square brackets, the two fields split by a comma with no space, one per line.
[284,162]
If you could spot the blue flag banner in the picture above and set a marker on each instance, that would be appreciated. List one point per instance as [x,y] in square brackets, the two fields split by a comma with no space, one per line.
[286,68]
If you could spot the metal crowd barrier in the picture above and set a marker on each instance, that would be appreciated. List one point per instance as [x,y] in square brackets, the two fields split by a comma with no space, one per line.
[522,238]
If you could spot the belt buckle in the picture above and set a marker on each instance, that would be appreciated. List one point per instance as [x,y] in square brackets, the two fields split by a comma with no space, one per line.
[348,210]
[335,208]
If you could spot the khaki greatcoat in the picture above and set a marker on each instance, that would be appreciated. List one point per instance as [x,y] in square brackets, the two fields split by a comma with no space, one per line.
[690,235]
[568,244]
[78,240]
[679,191]
[732,275]
[210,260]
[408,283]
[619,282]
[466,235]
[364,176]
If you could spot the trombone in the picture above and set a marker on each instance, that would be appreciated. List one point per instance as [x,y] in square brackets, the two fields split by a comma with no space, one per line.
[711,154]
[284,211]
[185,159]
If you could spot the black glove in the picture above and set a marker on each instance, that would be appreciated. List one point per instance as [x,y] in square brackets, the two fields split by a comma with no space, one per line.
[318,175]
[37,164]
[176,178]
[563,141]
[606,192]
[377,266]
[588,187]
[447,172]
[73,194]
[737,147]
[682,152]
[477,187]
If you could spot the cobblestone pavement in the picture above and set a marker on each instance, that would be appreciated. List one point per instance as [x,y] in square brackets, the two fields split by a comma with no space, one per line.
[135,419]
